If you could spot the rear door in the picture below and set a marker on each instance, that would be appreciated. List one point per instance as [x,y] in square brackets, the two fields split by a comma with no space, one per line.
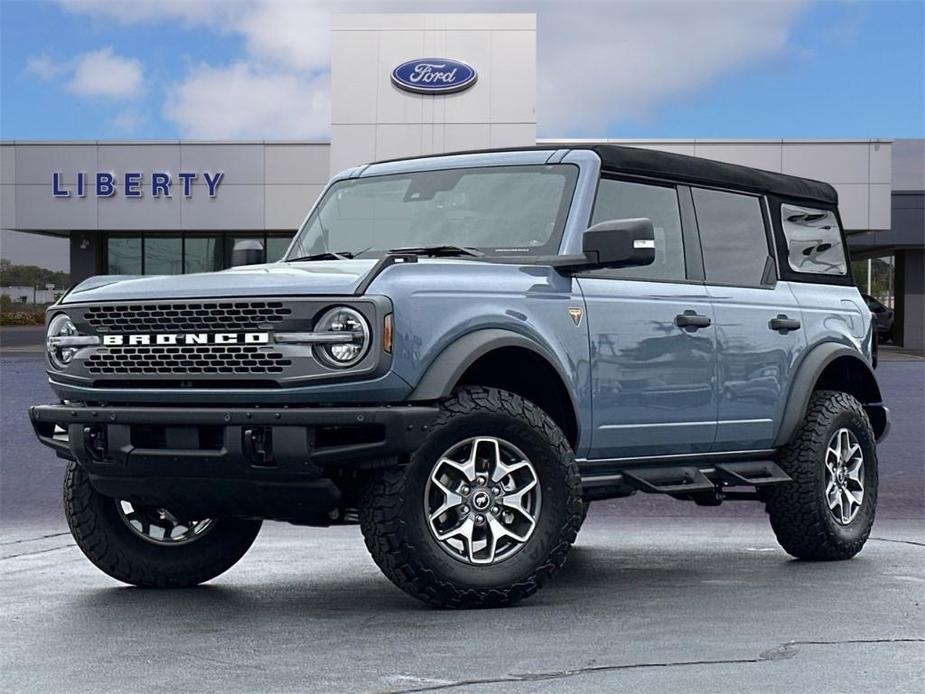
[653,388]
[758,323]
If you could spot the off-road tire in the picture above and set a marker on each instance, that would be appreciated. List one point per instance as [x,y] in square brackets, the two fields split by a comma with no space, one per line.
[393,521]
[115,549]
[800,517]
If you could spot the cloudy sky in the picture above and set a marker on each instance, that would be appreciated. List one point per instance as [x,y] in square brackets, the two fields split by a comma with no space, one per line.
[97,69]
[224,69]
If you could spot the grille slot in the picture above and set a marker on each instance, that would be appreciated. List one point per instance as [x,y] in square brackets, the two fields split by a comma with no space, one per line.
[186,359]
[184,317]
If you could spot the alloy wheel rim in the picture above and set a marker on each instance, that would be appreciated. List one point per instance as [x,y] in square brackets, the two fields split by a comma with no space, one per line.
[482,500]
[844,476]
[159,526]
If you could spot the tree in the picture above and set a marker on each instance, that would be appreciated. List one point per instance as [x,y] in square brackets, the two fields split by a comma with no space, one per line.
[31,276]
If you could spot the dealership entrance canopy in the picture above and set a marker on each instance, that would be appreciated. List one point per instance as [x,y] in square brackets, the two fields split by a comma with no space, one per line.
[401,85]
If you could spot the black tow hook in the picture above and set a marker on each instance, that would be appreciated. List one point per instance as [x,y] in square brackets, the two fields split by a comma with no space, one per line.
[258,446]
[95,442]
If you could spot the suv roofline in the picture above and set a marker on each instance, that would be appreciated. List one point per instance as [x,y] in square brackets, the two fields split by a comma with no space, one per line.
[680,167]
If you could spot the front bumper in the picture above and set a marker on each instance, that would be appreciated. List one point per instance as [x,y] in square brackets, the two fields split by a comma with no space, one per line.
[209,461]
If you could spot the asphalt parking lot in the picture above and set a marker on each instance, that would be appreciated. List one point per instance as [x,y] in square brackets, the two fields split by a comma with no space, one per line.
[657,595]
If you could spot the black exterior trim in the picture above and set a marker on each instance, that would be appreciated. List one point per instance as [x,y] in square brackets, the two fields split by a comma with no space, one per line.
[693,251]
[394,431]
[445,371]
[804,382]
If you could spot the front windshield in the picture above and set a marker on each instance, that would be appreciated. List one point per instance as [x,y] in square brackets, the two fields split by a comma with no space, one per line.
[500,210]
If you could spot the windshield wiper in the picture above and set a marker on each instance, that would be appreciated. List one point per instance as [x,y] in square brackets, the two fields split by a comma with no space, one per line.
[439,251]
[326,255]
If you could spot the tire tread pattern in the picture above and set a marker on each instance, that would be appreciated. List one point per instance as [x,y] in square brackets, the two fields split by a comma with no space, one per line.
[381,512]
[798,515]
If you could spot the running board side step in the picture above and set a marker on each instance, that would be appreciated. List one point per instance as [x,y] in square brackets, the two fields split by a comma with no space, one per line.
[704,482]
[759,473]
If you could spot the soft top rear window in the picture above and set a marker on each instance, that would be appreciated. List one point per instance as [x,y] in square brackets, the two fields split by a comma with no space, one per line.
[814,240]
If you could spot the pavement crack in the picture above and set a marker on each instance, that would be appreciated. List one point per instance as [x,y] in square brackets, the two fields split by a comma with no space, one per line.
[848,642]
[572,672]
[783,651]
[32,539]
[902,542]
[38,551]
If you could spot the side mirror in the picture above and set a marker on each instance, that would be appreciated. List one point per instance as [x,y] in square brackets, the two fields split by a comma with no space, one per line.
[620,243]
[614,243]
[247,252]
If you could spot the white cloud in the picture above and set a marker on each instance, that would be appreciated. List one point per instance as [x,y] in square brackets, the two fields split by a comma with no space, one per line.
[103,73]
[99,73]
[44,67]
[296,35]
[189,12]
[612,63]
[241,101]
[600,63]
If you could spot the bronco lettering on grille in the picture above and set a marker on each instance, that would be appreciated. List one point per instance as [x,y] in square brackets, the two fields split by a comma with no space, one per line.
[188,339]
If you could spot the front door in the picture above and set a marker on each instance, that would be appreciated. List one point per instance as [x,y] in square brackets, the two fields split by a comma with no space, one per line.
[653,346]
[757,319]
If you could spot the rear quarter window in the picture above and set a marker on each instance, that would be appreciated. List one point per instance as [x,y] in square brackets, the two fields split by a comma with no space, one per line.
[814,241]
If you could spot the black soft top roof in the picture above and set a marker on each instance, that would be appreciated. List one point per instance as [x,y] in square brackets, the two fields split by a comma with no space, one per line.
[650,162]
[681,167]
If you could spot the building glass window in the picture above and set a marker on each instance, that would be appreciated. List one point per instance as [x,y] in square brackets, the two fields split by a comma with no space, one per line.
[203,253]
[123,255]
[277,245]
[163,255]
[813,241]
[624,200]
[732,236]
[153,253]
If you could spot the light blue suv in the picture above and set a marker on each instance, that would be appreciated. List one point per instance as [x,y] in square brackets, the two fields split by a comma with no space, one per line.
[461,352]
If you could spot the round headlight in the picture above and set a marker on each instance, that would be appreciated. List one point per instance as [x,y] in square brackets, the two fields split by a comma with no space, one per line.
[59,355]
[349,337]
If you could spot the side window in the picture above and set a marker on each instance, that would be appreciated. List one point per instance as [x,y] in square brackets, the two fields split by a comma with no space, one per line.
[625,200]
[732,236]
[814,242]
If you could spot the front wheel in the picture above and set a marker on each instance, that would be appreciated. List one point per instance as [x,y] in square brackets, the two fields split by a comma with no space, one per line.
[826,513]
[486,510]
[147,546]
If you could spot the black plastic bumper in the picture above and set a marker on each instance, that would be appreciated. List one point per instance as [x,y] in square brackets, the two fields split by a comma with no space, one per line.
[271,463]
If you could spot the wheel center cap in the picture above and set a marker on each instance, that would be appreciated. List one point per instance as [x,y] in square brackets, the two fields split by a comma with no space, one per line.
[481,500]
[840,475]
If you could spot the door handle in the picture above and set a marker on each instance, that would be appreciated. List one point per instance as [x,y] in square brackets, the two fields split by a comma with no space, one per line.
[783,324]
[692,320]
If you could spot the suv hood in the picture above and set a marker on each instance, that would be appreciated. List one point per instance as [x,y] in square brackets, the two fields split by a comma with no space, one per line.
[320,277]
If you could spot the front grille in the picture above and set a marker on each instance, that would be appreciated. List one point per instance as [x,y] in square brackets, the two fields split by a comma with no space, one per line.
[188,359]
[179,317]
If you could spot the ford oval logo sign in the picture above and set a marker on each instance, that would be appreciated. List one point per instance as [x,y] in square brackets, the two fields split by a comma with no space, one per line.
[434,76]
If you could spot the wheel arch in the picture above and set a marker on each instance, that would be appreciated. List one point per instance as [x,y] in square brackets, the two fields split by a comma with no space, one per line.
[832,366]
[507,360]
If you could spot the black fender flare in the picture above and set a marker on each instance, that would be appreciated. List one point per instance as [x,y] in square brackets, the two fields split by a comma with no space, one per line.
[804,382]
[448,367]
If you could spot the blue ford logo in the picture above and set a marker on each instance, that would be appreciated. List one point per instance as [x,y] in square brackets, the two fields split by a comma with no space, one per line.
[434,76]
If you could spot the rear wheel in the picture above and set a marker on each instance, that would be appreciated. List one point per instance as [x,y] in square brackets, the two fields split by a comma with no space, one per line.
[827,511]
[486,510]
[148,546]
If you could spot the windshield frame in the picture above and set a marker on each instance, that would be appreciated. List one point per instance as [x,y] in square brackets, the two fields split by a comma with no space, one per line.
[476,161]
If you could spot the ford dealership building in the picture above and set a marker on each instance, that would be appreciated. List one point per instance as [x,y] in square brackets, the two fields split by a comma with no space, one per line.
[401,85]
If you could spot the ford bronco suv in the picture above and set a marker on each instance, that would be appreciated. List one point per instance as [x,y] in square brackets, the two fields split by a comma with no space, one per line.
[461,352]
